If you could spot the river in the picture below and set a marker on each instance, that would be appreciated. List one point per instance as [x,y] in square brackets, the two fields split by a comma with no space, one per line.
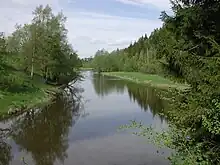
[85,132]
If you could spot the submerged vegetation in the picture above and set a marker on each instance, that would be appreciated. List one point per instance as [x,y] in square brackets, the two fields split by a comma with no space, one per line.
[34,59]
[186,47]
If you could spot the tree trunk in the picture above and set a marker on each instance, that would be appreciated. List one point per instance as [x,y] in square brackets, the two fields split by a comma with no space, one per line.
[32,67]
[147,57]
[45,73]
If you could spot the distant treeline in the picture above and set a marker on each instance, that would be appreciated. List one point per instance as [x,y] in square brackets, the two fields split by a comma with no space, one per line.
[148,55]
[187,46]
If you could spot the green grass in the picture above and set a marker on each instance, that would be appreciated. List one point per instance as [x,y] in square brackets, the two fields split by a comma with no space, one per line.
[21,98]
[19,92]
[153,80]
[24,100]
[85,69]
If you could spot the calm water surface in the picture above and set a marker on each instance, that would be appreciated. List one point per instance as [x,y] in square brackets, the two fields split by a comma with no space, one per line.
[85,132]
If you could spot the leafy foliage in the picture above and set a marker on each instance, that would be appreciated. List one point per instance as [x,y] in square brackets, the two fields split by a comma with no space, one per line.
[38,49]
[140,56]
[33,55]
[186,46]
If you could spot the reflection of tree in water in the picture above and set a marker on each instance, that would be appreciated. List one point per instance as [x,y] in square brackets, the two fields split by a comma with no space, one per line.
[5,149]
[104,85]
[145,96]
[45,134]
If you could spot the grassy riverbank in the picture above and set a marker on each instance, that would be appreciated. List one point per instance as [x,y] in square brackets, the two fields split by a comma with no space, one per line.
[26,66]
[85,69]
[22,98]
[153,80]
[14,101]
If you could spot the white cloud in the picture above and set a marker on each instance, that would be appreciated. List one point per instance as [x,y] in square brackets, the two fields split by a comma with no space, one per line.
[20,11]
[160,4]
[87,31]
[103,31]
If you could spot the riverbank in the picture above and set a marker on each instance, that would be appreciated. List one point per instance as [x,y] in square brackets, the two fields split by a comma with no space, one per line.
[152,80]
[15,103]
[85,69]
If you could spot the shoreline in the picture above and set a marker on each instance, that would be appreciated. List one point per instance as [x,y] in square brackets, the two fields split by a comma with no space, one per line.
[18,103]
[148,79]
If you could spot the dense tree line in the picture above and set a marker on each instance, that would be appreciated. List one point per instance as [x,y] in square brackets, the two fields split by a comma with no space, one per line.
[188,46]
[38,49]
[194,54]
[85,62]
[139,56]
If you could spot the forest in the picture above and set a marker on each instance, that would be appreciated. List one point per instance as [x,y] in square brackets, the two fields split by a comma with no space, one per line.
[186,47]
[35,58]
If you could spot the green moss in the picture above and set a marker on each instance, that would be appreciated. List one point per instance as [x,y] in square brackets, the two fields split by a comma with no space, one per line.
[153,80]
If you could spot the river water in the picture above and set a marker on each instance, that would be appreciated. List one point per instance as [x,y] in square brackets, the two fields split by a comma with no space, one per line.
[85,132]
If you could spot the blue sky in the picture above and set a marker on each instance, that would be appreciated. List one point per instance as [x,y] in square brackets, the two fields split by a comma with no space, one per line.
[116,8]
[92,24]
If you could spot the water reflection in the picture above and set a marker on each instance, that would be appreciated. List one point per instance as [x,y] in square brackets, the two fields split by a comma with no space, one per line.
[5,148]
[43,133]
[51,136]
[145,96]
[105,85]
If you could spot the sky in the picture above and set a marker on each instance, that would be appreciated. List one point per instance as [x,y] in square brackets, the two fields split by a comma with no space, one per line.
[92,24]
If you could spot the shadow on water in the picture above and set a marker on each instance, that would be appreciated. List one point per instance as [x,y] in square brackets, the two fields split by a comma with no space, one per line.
[145,96]
[50,136]
[42,133]
[5,148]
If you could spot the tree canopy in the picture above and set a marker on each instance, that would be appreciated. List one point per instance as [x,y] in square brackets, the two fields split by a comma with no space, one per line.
[40,48]
[186,46]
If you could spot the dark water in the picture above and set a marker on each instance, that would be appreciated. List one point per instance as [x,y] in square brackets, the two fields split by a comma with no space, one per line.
[85,132]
